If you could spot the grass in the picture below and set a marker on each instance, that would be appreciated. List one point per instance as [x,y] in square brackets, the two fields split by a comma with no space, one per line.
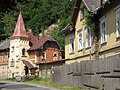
[44,82]
[48,83]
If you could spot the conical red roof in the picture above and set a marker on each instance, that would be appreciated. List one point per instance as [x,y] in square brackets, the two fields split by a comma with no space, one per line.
[20,28]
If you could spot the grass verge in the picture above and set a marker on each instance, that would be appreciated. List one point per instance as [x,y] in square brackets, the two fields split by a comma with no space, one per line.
[47,82]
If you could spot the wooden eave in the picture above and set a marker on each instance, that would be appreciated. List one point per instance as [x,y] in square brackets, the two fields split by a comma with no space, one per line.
[102,7]
[71,26]
[75,12]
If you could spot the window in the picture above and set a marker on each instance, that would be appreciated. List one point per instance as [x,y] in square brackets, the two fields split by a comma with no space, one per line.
[23,52]
[12,49]
[118,22]
[72,43]
[43,54]
[12,64]
[80,40]
[3,57]
[55,56]
[88,37]
[103,30]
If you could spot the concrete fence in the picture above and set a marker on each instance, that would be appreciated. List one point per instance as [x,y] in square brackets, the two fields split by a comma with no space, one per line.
[101,74]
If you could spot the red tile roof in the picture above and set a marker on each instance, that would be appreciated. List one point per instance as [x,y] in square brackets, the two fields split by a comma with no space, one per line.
[20,28]
[40,42]
[33,39]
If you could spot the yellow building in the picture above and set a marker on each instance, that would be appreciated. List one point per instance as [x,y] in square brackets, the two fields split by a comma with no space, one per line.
[83,43]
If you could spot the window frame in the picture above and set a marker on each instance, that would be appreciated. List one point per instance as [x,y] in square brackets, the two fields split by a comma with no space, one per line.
[117,33]
[87,29]
[80,47]
[103,20]
[71,47]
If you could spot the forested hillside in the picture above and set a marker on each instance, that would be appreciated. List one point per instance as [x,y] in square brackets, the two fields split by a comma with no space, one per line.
[37,15]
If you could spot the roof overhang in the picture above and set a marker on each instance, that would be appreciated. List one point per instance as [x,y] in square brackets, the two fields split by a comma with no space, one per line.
[28,64]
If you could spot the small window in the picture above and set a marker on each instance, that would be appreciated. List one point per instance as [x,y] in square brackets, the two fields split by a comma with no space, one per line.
[55,56]
[12,49]
[71,44]
[80,40]
[23,52]
[43,55]
[12,64]
[103,30]
[3,57]
[118,22]
[88,37]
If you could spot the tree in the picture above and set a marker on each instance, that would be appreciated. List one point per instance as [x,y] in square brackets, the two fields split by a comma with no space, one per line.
[37,15]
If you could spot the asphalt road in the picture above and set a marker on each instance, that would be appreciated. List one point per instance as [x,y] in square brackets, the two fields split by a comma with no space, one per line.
[21,86]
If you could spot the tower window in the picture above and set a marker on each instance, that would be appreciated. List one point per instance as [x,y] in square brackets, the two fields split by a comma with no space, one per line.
[12,49]
[23,52]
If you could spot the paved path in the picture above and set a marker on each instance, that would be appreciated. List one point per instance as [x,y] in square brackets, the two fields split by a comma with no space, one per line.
[21,86]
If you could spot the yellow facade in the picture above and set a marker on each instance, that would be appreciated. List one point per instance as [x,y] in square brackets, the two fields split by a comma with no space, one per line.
[110,48]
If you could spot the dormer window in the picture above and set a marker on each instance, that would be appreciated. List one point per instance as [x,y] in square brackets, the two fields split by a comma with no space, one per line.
[43,55]
[55,56]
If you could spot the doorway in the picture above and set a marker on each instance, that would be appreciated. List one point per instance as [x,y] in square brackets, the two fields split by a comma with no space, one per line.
[26,70]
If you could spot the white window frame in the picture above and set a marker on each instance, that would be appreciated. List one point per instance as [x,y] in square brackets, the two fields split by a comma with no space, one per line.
[103,35]
[117,26]
[71,48]
[80,45]
[55,58]
[87,37]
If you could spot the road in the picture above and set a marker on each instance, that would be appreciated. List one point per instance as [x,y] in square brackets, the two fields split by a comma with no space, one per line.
[21,86]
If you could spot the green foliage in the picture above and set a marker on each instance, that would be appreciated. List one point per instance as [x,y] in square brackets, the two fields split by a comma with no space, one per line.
[55,34]
[37,15]
[89,20]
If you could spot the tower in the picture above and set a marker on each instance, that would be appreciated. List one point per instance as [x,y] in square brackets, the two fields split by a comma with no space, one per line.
[19,44]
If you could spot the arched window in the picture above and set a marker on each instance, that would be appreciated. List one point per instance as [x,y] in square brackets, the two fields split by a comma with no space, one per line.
[43,55]
[55,56]
[23,52]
